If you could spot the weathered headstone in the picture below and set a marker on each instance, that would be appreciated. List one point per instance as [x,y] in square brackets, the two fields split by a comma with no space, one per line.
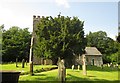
[108,65]
[61,71]
[116,65]
[42,61]
[58,68]
[111,65]
[102,66]
[45,62]
[26,62]
[23,63]
[84,65]
[16,62]
[73,67]
[78,67]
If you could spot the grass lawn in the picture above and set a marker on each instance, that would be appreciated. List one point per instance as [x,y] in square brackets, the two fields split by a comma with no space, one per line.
[73,76]
[94,74]
[25,70]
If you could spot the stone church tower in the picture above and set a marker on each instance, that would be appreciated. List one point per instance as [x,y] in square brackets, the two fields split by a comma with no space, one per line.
[37,60]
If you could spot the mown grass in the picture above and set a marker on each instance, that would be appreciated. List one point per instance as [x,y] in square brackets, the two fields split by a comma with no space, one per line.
[25,70]
[94,74]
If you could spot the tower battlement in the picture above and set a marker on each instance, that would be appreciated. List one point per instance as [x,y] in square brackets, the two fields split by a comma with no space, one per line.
[37,60]
[36,17]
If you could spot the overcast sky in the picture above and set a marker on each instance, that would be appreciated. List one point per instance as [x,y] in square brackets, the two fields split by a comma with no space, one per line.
[96,14]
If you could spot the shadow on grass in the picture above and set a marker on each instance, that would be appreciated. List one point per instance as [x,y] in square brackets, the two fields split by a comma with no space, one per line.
[95,68]
[39,75]
[39,70]
[43,78]
[91,76]
[69,79]
[47,79]
[37,82]
[106,69]
[87,80]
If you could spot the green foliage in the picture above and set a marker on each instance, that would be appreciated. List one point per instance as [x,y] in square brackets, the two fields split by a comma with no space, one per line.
[106,45]
[115,57]
[15,44]
[59,37]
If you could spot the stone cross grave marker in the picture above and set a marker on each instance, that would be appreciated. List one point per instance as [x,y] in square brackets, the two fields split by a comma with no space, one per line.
[84,65]
[61,71]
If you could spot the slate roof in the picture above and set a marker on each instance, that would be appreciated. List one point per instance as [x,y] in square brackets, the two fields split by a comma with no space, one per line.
[92,51]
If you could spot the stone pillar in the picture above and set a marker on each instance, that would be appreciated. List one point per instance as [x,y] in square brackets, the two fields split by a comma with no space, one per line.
[73,67]
[45,61]
[26,62]
[61,71]
[23,63]
[84,65]
[42,61]
[78,67]
[16,62]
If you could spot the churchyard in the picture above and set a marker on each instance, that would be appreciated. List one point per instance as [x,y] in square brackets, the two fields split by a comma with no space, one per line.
[49,73]
[60,41]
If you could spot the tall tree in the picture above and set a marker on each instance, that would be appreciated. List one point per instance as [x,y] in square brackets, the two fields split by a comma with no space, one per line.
[15,43]
[1,30]
[59,37]
[118,37]
[106,45]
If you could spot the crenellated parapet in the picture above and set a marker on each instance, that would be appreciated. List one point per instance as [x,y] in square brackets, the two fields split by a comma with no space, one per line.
[36,17]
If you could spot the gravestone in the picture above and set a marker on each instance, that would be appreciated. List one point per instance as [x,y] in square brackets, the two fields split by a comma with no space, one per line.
[78,67]
[72,67]
[102,66]
[84,65]
[108,65]
[23,63]
[117,66]
[111,66]
[61,71]
[26,62]
[16,62]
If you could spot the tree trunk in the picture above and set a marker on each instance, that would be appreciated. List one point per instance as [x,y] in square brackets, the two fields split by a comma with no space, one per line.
[31,68]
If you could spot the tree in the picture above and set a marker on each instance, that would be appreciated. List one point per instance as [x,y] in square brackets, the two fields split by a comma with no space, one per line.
[118,37]
[59,37]
[117,54]
[1,30]
[105,45]
[15,43]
